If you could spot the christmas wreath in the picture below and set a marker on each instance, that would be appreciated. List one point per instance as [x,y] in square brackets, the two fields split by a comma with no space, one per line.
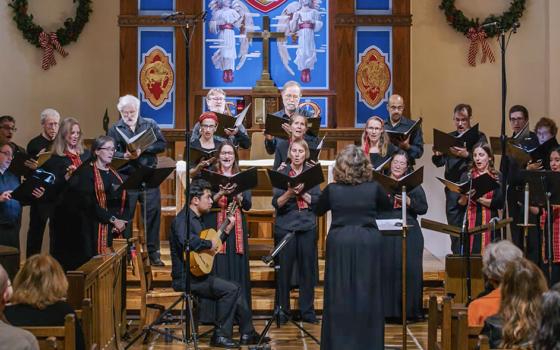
[49,42]
[476,31]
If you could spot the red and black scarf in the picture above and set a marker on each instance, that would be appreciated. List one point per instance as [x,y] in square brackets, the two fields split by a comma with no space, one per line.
[555,223]
[485,212]
[221,217]
[100,194]
[74,158]
[301,203]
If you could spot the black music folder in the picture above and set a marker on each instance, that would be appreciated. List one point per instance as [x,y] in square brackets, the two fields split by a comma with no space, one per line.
[443,141]
[145,177]
[411,181]
[17,166]
[315,153]
[397,136]
[39,178]
[118,163]
[310,178]
[230,122]
[197,155]
[482,185]
[385,165]
[540,182]
[244,180]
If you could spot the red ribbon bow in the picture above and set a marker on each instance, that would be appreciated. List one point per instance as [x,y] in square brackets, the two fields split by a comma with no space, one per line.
[49,42]
[477,36]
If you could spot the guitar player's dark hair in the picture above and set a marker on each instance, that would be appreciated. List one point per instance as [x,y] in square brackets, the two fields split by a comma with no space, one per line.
[197,188]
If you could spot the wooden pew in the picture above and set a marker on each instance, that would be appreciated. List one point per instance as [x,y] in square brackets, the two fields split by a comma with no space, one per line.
[56,337]
[439,317]
[103,281]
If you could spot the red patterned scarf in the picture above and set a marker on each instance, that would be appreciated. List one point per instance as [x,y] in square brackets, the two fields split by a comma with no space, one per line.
[301,203]
[485,212]
[555,234]
[100,194]
[221,217]
[74,158]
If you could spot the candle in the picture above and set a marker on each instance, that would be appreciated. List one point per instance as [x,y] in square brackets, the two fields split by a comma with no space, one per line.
[526,206]
[403,205]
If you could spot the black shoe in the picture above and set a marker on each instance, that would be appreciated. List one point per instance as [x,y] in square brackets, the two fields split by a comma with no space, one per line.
[223,342]
[156,262]
[252,339]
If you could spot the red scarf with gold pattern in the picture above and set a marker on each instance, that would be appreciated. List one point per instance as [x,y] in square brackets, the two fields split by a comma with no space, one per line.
[301,203]
[555,234]
[221,217]
[485,212]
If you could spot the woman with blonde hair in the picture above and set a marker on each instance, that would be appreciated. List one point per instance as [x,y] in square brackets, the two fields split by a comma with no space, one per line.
[376,143]
[39,298]
[68,155]
[353,303]
[517,322]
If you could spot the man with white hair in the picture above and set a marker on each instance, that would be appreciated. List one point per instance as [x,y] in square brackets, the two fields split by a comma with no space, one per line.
[41,211]
[11,337]
[495,260]
[131,124]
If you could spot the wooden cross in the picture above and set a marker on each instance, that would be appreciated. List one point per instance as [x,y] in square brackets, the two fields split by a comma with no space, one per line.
[265,84]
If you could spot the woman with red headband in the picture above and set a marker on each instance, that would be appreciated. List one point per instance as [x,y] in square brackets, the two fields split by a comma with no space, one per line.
[375,142]
[207,141]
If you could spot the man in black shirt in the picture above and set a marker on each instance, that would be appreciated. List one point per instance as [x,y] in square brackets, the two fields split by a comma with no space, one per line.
[414,144]
[519,122]
[41,211]
[455,166]
[227,294]
[291,95]
[132,124]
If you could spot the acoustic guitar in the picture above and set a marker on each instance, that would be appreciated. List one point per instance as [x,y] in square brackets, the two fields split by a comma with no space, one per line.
[202,262]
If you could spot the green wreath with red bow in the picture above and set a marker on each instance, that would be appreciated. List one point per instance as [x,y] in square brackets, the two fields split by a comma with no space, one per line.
[473,28]
[53,41]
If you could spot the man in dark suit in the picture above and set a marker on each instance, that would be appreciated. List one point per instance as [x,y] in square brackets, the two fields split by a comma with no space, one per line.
[414,143]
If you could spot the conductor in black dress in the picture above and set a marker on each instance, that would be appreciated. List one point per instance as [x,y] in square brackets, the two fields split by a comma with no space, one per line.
[294,214]
[456,165]
[353,304]
[132,124]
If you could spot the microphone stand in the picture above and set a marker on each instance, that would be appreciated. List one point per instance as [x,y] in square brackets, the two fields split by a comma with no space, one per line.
[548,194]
[403,267]
[465,243]
[278,310]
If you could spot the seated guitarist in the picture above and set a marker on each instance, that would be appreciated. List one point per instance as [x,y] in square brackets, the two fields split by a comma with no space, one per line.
[227,294]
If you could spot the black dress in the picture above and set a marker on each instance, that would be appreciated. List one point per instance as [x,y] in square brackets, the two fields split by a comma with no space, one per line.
[353,306]
[377,159]
[391,259]
[230,265]
[69,242]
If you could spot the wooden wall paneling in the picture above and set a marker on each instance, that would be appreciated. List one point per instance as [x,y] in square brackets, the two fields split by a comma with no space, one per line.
[128,67]
[401,64]
[342,69]
[180,87]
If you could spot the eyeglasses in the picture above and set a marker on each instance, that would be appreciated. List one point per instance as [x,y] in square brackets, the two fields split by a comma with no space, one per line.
[209,127]
[7,154]
[110,149]
[9,128]
[226,153]
[396,108]
[371,128]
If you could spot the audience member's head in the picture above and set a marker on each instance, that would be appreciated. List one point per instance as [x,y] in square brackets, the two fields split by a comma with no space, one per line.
[5,289]
[548,334]
[496,258]
[50,119]
[352,166]
[522,287]
[40,282]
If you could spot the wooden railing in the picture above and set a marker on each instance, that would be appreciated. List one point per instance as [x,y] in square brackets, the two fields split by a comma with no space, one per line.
[103,281]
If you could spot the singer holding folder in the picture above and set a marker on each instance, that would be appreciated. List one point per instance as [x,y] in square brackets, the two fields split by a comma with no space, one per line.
[484,208]
[206,142]
[298,127]
[130,125]
[391,252]
[68,154]
[376,143]
[232,260]
[294,214]
[456,163]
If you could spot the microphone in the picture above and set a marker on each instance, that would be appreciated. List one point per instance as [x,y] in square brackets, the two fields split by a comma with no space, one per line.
[170,15]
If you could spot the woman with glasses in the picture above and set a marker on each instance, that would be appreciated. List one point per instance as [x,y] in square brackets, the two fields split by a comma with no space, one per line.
[391,252]
[232,261]
[376,143]
[216,102]
[68,154]
[207,142]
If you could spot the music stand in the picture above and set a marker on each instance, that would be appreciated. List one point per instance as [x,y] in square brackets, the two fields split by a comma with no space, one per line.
[544,188]
[278,310]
